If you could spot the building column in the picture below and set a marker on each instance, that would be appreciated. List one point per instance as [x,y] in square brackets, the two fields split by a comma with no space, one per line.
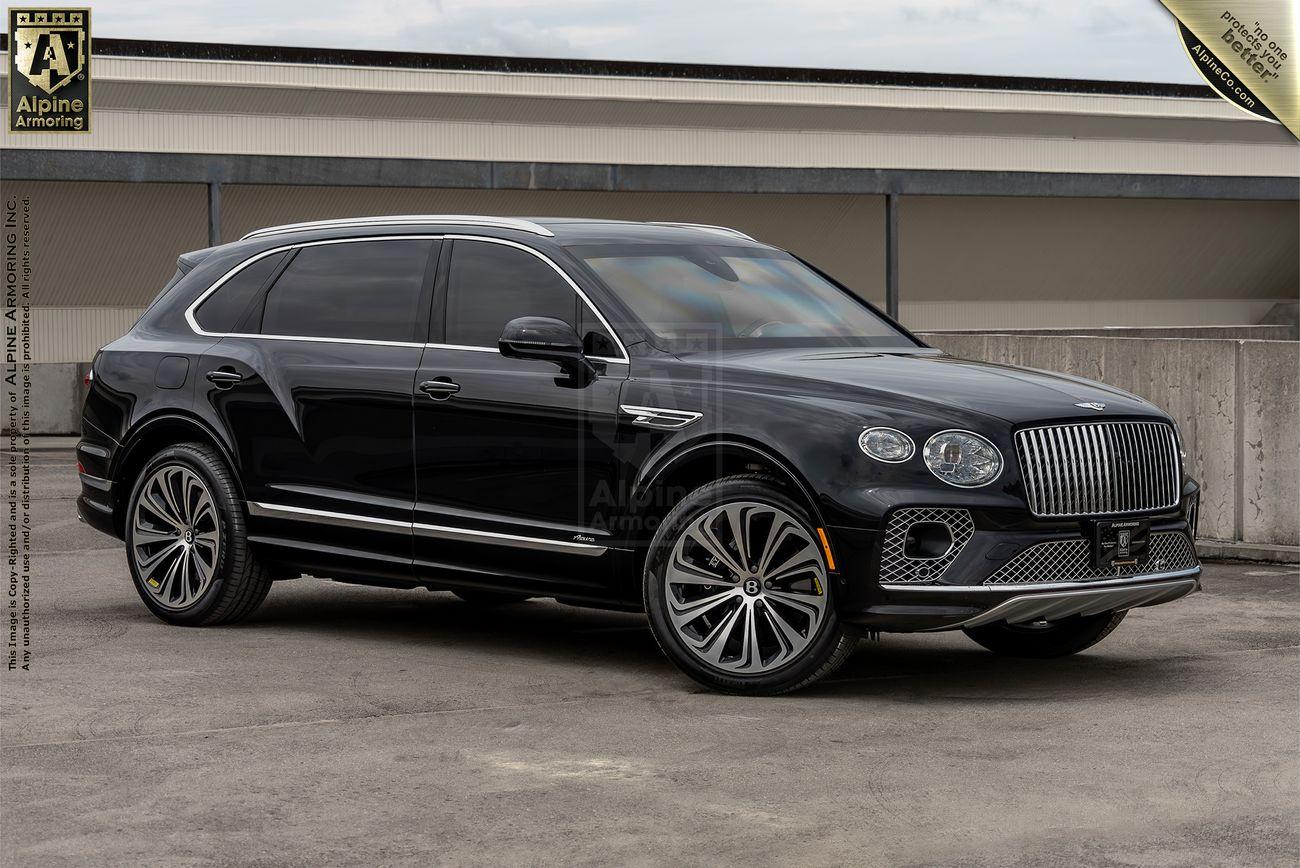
[214,213]
[891,254]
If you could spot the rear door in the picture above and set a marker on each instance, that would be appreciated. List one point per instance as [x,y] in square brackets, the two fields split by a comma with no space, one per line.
[314,384]
[517,469]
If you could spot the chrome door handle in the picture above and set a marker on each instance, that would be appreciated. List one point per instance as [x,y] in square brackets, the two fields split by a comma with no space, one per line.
[440,389]
[224,379]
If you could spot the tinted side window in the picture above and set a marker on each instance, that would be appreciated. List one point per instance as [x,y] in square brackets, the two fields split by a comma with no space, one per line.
[491,284]
[224,308]
[364,290]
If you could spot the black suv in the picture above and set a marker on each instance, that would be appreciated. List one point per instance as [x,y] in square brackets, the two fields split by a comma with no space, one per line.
[663,417]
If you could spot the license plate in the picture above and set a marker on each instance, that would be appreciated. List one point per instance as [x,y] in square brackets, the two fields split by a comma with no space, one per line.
[1120,543]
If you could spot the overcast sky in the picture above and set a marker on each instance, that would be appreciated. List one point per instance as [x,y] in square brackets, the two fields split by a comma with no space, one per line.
[1113,39]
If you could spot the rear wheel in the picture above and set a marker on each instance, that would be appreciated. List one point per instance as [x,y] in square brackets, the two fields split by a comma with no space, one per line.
[186,543]
[737,592]
[1044,639]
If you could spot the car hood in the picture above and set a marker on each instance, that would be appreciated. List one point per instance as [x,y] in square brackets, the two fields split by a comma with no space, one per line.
[1012,394]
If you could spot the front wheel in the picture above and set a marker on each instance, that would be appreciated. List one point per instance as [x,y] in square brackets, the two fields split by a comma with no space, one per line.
[1045,639]
[737,591]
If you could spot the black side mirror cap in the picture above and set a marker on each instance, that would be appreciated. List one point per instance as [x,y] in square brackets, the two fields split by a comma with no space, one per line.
[548,339]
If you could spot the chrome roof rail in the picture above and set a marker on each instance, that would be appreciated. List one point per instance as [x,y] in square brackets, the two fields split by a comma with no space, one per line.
[406,220]
[725,230]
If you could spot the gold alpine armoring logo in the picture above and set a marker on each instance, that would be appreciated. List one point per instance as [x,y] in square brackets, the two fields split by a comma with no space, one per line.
[49,70]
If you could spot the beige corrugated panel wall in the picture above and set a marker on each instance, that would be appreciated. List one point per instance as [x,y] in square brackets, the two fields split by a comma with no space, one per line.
[966,263]
[293,109]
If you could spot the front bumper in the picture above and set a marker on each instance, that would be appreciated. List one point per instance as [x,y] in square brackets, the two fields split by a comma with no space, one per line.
[1005,566]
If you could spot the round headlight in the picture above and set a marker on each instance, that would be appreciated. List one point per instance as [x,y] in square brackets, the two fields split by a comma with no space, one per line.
[963,459]
[886,444]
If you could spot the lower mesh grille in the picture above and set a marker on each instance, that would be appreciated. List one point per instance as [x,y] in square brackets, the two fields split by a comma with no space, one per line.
[897,568]
[1070,561]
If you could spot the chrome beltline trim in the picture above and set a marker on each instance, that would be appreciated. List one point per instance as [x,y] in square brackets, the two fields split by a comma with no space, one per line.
[1047,586]
[460,534]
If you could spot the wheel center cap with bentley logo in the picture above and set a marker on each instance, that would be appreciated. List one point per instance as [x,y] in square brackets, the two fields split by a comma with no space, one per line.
[189,536]
[1091,405]
[752,587]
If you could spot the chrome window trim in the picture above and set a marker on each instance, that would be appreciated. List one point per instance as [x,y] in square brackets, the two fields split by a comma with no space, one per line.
[203,296]
[194,305]
[406,220]
[661,418]
[345,519]
[1046,586]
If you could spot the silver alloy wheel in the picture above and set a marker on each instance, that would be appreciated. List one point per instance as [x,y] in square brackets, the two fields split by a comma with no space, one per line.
[175,536]
[746,588]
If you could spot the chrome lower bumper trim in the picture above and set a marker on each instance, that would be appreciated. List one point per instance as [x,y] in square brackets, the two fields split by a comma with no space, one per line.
[1092,601]
[1047,586]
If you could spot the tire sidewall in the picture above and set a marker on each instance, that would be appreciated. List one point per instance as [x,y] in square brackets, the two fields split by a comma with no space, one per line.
[665,539]
[194,460]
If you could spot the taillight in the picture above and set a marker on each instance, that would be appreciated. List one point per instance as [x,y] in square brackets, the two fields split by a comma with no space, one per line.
[89,378]
[81,467]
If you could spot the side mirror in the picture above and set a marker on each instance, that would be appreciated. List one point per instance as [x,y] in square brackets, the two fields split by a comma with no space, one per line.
[549,340]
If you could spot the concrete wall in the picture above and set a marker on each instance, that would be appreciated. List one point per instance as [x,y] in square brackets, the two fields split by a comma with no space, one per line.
[1237,403]
[57,395]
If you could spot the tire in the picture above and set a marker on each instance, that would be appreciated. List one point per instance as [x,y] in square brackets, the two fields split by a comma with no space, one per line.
[489,598]
[1058,639]
[218,580]
[701,617]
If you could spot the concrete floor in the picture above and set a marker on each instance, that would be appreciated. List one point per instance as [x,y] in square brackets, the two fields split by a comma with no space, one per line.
[344,725]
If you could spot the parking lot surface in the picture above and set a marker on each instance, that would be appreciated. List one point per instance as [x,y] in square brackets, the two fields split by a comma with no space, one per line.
[348,725]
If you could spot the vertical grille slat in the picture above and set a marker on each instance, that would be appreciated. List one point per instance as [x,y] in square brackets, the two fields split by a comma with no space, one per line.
[1099,468]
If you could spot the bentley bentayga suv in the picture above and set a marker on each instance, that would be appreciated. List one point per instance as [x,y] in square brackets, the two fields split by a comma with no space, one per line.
[671,418]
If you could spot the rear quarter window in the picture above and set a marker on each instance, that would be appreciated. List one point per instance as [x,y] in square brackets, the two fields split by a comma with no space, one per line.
[221,312]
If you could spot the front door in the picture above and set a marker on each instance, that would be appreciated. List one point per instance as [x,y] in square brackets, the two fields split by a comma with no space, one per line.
[516,469]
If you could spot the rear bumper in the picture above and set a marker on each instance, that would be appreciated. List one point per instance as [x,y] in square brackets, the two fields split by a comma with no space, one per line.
[97,504]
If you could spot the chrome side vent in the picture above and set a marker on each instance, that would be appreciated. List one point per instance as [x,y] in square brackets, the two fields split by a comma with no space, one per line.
[1099,468]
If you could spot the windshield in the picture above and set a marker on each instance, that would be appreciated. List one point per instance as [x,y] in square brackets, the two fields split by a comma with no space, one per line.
[701,296]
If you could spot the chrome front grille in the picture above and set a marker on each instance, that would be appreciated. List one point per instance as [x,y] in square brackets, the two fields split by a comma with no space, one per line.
[1099,468]
[1069,561]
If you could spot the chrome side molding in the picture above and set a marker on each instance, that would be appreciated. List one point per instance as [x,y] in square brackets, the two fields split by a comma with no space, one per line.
[407,220]
[457,534]
[660,417]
